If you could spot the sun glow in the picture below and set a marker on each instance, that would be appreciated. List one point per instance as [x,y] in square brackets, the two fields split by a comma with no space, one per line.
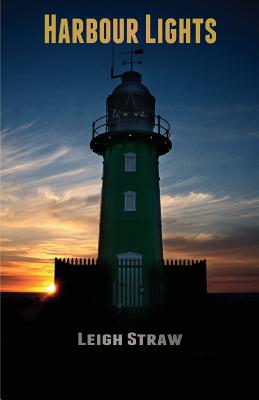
[51,289]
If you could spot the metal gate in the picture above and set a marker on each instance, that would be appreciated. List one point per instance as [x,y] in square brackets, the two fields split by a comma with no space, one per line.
[129,288]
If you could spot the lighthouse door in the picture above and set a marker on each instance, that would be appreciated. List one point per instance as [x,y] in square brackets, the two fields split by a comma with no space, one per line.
[129,290]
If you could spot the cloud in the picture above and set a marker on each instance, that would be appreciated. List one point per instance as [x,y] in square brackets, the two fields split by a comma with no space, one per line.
[55,212]
[179,184]
[232,259]
[11,131]
[233,277]
[38,163]
[64,223]
[61,176]
[48,194]
[222,229]
[238,244]
[193,208]
[184,201]
[46,224]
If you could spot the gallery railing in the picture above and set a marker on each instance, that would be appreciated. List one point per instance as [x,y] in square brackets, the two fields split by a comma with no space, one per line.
[102,125]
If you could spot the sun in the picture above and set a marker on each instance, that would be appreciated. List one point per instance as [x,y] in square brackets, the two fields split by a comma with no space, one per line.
[51,289]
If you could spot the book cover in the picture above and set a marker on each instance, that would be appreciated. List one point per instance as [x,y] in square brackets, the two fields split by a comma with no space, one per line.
[129,148]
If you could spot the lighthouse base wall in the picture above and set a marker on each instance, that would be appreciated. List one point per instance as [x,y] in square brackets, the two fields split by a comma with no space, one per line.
[92,286]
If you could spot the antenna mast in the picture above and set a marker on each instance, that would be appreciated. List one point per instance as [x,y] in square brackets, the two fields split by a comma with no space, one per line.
[113,76]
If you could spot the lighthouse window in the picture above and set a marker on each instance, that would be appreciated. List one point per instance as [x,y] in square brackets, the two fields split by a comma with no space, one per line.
[130,201]
[130,162]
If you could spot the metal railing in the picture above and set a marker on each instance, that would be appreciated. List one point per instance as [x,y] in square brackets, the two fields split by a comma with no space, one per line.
[102,125]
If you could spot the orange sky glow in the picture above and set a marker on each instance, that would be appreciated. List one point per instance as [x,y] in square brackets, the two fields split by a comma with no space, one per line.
[48,224]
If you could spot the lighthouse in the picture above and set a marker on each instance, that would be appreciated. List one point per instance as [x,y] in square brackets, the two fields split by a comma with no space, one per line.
[130,274]
[130,138]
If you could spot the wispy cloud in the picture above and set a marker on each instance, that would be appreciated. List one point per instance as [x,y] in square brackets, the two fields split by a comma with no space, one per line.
[51,206]
[222,229]
[179,184]
[232,257]
[11,131]
[36,164]
[44,225]
[65,223]
[46,212]
[207,207]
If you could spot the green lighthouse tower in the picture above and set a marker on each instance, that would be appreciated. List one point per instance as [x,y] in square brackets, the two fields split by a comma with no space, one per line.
[130,138]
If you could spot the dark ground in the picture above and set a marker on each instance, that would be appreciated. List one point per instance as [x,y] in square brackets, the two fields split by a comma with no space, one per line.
[40,352]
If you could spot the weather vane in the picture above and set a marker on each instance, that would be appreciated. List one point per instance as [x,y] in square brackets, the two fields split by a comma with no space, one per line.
[131,62]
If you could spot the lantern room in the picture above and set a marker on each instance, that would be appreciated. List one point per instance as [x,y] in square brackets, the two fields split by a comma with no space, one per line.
[131,106]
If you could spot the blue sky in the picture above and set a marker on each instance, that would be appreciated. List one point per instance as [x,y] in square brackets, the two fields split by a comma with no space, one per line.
[209,181]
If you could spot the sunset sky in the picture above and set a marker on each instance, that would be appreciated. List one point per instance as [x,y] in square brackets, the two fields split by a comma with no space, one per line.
[51,181]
